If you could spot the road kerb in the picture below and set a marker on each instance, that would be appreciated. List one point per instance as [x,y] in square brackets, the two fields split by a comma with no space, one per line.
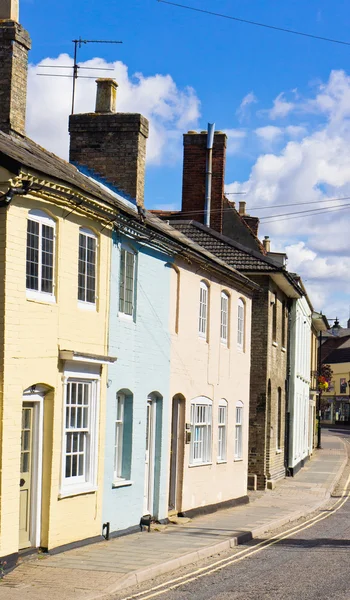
[143,575]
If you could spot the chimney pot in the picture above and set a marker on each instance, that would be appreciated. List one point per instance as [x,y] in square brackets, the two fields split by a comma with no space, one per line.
[242,208]
[9,10]
[106,96]
[267,243]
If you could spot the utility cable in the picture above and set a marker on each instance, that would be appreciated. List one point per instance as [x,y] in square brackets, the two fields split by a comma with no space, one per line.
[186,213]
[287,216]
[257,23]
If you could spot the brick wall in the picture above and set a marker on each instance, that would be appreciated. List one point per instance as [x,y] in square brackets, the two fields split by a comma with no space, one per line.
[14,45]
[113,146]
[193,183]
[268,362]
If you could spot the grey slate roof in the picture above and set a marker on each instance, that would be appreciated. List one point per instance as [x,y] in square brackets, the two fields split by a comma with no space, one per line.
[238,256]
[24,151]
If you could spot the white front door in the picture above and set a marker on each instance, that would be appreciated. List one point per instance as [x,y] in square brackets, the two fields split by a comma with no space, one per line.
[30,477]
[149,458]
[25,482]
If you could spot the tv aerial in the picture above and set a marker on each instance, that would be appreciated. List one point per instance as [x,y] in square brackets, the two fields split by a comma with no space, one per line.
[76,67]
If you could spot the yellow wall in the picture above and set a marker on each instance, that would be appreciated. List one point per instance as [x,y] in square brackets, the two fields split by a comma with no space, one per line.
[200,368]
[340,370]
[33,333]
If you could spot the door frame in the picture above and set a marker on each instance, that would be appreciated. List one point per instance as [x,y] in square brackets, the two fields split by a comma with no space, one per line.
[152,403]
[37,467]
[176,453]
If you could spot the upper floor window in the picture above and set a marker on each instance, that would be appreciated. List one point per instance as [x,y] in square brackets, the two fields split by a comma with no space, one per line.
[239,431]
[224,318]
[203,309]
[274,318]
[222,430]
[284,324]
[40,253]
[87,266]
[240,323]
[201,423]
[126,282]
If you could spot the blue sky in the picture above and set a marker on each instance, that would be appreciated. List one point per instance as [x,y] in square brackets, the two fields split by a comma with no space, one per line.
[212,64]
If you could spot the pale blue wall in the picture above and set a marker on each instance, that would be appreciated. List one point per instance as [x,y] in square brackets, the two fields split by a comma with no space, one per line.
[142,346]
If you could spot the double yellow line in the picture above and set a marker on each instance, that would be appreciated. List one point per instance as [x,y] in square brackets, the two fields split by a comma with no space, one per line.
[242,555]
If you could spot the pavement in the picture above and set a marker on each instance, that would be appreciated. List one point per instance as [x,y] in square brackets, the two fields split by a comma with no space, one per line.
[100,569]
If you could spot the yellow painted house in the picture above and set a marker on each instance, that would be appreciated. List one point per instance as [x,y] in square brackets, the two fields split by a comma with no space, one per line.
[55,262]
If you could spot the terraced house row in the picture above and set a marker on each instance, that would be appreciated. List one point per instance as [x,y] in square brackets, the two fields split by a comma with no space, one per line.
[151,363]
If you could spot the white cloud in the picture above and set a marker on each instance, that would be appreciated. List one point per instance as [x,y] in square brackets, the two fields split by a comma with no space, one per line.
[235,139]
[312,166]
[281,107]
[243,108]
[269,133]
[295,131]
[169,109]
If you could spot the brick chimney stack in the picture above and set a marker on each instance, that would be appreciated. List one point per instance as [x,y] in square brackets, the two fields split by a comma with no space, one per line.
[194,175]
[14,46]
[111,144]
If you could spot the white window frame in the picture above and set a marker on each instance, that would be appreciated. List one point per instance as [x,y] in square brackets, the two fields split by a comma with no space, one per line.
[240,324]
[239,431]
[201,431]
[83,303]
[203,310]
[43,219]
[122,302]
[222,431]
[224,318]
[118,438]
[71,486]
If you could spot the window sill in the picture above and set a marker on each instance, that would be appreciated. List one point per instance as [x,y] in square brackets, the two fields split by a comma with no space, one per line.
[121,483]
[275,344]
[86,305]
[203,338]
[77,490]
[221,461]
[125,317]
[40,297]
[238,459]
[279,451]
[203,464]
[283,349]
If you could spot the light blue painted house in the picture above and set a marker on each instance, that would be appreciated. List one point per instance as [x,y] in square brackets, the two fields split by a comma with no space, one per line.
[137,419]
[111,147]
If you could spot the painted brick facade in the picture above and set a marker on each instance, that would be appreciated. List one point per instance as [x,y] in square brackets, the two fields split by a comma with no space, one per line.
[33,331]
[142,345]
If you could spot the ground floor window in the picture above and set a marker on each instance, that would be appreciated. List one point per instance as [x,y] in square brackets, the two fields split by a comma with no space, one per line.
[238,431]
[201,426]
[80,434]
[222,425]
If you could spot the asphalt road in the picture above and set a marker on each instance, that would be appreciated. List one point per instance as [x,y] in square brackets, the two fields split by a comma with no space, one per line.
[310,563]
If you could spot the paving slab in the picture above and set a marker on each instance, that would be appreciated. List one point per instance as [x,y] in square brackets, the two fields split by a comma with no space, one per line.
[93,571]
